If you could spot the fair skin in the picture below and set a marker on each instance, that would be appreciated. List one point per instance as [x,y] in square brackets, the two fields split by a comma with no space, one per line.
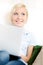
[29,53]
[19,18]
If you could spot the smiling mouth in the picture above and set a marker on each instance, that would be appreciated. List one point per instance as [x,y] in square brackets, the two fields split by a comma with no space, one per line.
[20,21]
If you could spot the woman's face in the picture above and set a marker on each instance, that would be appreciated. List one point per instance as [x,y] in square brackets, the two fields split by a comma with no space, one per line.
[19,16]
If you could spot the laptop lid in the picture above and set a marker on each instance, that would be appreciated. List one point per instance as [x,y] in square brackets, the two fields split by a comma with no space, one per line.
[10,39]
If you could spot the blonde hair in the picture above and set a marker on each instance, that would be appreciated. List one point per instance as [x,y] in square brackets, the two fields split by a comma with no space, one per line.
[14,8]
[18,6]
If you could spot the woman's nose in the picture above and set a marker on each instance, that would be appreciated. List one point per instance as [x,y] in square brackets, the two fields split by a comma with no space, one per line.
[19,16]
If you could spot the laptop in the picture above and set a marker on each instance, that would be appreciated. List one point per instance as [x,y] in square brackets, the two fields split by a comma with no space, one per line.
[10,39]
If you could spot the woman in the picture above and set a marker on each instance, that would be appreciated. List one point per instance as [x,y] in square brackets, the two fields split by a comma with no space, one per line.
[19,15]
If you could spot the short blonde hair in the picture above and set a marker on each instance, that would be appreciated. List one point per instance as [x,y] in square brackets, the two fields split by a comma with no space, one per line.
[18,6]
[14,8]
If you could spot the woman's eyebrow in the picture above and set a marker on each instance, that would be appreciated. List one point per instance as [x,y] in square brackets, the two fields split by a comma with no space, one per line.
[15,13]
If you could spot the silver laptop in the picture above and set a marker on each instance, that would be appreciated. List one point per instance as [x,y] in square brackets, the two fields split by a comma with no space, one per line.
[10,39]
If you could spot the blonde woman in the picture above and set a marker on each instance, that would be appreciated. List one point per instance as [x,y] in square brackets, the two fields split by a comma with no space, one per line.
[19,16]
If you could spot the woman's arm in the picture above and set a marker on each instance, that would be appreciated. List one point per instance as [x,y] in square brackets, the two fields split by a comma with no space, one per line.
[29,53]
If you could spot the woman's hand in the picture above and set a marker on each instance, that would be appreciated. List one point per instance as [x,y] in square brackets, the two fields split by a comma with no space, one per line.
[29,53]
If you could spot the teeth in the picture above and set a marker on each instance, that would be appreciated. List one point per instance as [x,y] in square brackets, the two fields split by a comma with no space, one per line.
[20,21]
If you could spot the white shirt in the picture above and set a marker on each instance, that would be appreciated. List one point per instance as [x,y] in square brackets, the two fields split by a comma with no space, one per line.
[27,39]
[13,35]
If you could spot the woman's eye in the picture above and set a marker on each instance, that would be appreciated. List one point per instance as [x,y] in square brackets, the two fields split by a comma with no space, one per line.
[23,13]
[15,13]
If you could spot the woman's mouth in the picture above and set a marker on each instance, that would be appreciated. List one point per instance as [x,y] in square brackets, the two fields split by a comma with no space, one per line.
[19,21]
